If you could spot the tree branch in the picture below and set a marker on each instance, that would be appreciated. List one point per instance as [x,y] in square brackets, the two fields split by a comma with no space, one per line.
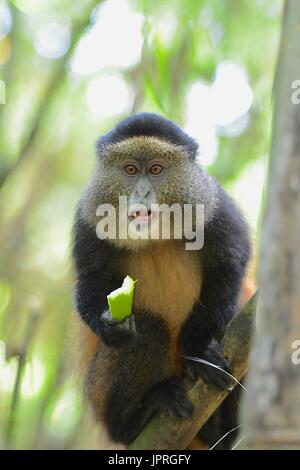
[165,432]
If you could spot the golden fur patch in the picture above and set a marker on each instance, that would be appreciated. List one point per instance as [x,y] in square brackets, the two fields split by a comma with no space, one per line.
[169,281]
[98,380]
[88,342]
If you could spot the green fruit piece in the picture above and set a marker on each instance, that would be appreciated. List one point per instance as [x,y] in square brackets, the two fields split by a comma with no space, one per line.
[120,300]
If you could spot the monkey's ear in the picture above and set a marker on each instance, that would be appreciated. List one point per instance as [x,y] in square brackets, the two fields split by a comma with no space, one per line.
[152,125]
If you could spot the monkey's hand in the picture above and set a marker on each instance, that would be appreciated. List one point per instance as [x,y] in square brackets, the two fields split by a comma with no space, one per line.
[215,370]
[115,333]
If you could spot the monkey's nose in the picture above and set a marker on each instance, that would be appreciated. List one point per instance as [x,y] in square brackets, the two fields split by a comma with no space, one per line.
[143,193]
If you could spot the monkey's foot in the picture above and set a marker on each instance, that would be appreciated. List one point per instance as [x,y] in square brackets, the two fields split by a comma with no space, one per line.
[115,333]
[171,395]
[212,375]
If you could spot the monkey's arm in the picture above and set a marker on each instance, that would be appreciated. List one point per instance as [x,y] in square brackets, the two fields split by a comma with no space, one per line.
[96,278]
[225,254]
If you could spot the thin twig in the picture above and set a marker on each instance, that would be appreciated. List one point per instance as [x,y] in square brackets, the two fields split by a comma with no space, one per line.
[22,354]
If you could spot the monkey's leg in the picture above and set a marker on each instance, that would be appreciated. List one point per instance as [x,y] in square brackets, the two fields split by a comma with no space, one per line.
[169,394]
[143,380]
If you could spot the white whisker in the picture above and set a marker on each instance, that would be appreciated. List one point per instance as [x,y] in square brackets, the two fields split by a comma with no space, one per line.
[203,361]
[238,443]
[225,435]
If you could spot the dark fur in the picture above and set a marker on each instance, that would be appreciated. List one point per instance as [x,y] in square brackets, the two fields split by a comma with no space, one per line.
[142,377]
[148,124]
[224,256]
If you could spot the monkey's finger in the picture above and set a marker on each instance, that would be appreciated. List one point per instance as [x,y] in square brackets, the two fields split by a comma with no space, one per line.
[214,376]
[116,336]
[130,323]
[217,358]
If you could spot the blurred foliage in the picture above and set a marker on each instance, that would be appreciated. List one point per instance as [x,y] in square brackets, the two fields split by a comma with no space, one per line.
[56,57]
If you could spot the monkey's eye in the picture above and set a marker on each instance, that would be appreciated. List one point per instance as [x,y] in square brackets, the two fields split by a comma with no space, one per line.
[131,170]
[156,169]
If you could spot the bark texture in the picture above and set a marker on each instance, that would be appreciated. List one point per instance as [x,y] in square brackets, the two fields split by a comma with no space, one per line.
[271,408]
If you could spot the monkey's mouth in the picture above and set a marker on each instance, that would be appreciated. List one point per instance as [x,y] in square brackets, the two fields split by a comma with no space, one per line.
[141,215]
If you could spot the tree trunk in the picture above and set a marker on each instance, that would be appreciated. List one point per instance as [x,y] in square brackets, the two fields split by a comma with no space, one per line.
[271,409]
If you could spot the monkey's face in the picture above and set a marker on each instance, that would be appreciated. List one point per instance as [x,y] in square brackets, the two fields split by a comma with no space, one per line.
[136,178]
